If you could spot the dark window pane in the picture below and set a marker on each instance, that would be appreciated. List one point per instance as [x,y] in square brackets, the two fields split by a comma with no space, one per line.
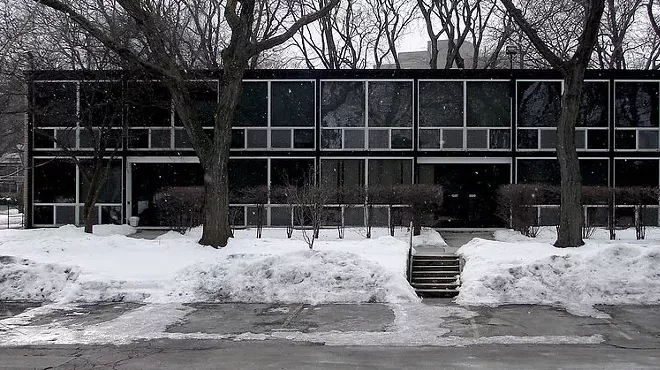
[111,215]
[238,139]
[88,138]
[280,138]
[246,173]
[649,216]
[625,139]
[452,139]
[138,138]
[54,104]
[237,216]
[43,215]
[252,109]
[548,139]
[636,172]
[648,139]
[549,216]
[181,139]
[292,104]
[303,139]
[44,138]
[354,216]
[440,104]
[254,214]
[401,139]
[390,104]
[430,139]
[597,139]
[66,138]
[594,105]
[161,138]
[112,189]
[378,216]
[539,104]
[101,104]
[331,139]
[280,216]
[379,139]
[290,171]
[597,216]
[477,139]
[636,104]
[205,101]
[354,139]
[528,139]
[538,171]
[342,104]
[488,104]
[594,172]
[390,172]
[257,138]
[147,104]
[500,139]
[343,173]
[580,139]
[65,215]
[54,181]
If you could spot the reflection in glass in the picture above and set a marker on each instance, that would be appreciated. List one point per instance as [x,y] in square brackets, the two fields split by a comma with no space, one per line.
[500,139]
[354,139]
[54,104]
[390,104]
[488,104]
[303,139]
[100,104]
[342,104]
[440,104]
[477,139]
[539,104]
[379,139]
[401,139]
[390,172]
[594,105]
[54,181]
[636,104]
[292,103]
[625,139]
[430,139]
[252,109]
[147,104]
[331,139]
[528,139]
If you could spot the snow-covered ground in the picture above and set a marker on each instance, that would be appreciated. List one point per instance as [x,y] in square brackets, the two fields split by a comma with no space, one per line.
[520,270]
[10,219]
[67,265]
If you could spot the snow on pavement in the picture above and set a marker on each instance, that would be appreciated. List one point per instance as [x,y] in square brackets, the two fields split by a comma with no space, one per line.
[520,270]
[67,265]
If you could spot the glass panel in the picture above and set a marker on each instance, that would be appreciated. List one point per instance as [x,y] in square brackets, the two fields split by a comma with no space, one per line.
[181,139]
[378,216]
[342,104]
[379,139]
[54,104]
[43,215]
[205,100]
[112,189]
[290,171]
[253,214]
[246,173]
[594,105]
[580,139]
[100,104]
[54,181]
[343,173]
[292,104]
[303,139]
[390,104]
[597,139]
[238,139]
[401,139]
[161,138]
[549,216]
[280,216]
[528,139]
[430,139]
[44,138]
[138,138]
[594,172]
[66,215]
[649,216]
[354,216]
[648,139]
[539,104]
[538,171]
[440,104]
[353,139]
[252,109]
[390,171]
[636,172]
[625,139]
[488,104]
[636,104]
[548,139]
[477,139]
[331,139]
[257,138]
[66,138]
[597,216]
[111,215]
[280,138]
[452,139]
[237,216]
[624,217]
[147,104]
[500,139]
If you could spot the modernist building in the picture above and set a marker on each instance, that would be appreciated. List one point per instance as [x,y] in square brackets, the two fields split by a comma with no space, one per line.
[470,131]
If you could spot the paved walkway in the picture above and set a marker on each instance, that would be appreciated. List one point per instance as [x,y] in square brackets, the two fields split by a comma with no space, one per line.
[454,240]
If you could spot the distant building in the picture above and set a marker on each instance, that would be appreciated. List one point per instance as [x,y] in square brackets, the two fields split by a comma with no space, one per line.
[420,59]
[11,174]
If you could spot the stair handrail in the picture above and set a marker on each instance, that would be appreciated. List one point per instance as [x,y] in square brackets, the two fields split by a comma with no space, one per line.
[410,249]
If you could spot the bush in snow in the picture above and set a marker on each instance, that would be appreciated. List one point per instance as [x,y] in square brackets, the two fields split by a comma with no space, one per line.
[181,208]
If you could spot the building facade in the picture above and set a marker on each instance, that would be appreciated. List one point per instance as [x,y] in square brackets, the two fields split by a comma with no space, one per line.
[467,130]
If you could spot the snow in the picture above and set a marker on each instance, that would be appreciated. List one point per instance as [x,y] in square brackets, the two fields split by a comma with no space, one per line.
[10,219]
[67,265]
[520,270]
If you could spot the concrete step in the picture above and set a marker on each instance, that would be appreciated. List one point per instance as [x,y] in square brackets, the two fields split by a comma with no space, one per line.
[453,284]
[438,272]
[432,266]
[429,279]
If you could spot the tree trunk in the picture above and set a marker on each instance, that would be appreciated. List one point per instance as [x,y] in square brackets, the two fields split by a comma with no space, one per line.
[571,215]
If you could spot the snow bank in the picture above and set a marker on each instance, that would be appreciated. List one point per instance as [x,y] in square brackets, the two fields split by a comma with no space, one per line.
[525,272]
[10,218]
[65,265]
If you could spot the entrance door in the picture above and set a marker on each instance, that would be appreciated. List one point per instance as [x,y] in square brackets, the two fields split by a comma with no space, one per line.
[469,192]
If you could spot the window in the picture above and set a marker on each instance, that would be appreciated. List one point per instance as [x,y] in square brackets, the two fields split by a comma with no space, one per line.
[440,104]
[100,104]
[54,104]
[345,174]
[292,104]
[246,173]
[390,106]
[390,172]
[112,189]
[488,104]
[147,104]
[636,172]
[54,181]
[342,104]
[594,172]
[539,103]
[290,171]
[637,125]
[204,95]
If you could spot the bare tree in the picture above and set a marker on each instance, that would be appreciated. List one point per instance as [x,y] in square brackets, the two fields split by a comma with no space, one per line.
[391,19]
[169,39]
[615,36]
[572,71]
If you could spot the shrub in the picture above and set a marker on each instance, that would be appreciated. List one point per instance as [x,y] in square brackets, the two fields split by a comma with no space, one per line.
[182,208]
